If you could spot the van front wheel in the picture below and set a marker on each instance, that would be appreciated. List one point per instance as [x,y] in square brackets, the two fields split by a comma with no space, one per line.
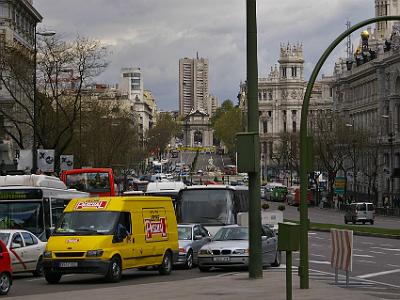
[114,273]
[166,265]
[52,277]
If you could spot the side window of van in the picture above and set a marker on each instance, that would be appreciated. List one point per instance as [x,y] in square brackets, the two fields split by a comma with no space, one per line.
[370,207]
[125,219]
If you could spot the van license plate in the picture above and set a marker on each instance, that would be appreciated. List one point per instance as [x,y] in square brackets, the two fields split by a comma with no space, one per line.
[221,259]
[69,264]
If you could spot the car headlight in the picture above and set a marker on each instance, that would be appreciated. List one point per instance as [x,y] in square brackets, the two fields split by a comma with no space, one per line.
[47,254]
[205,252]
[240,251]
[94,253]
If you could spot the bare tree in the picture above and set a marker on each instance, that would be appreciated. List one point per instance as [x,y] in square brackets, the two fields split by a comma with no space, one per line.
[64,68]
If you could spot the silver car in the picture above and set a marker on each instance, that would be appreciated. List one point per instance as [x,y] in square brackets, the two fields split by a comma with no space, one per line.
[230,248]
[191,238]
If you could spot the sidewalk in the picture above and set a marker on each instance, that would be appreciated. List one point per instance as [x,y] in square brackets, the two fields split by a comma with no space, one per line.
[230,286]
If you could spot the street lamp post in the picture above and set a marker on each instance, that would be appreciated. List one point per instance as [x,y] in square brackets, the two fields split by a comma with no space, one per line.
[35,119]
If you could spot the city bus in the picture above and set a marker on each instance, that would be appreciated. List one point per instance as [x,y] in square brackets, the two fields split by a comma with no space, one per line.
[33,202]
[213,206]
[96,181]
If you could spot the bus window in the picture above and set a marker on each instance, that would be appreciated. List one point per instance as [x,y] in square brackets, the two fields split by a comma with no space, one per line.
[22,215]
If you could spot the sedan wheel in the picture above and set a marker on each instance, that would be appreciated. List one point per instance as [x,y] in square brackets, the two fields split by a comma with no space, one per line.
[189,260]
[5,283]
[277,261]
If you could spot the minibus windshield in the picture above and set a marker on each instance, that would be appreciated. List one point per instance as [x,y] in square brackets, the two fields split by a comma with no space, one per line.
[87,223]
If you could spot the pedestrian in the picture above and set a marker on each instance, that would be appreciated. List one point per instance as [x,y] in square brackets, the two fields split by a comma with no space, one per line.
[335,201]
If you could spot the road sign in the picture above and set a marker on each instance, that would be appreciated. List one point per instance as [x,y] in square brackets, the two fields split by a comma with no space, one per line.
[340,184]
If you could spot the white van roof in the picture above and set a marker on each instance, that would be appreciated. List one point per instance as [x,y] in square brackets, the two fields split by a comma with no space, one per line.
[32,181]
[165,186]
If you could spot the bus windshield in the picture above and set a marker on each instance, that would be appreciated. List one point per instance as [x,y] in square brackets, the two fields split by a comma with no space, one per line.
[206,206]
[87,223]
[22,215]
[89,182]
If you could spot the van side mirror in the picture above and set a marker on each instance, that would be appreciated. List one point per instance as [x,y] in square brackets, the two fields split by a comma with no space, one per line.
[264,238]
[120,235]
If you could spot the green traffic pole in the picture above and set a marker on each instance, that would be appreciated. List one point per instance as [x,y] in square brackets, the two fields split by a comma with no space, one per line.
[255,258]
[305,160]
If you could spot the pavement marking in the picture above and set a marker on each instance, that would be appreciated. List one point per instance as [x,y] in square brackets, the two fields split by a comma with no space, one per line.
[396,266]
[361,250]
[367,243]
[318,255]
[387,245]
[363,255]
[377,252]
[366,261]
[388,249]
[379,274]
[316,245]
[318,238]
[312,233]
[357,278]
[320,262]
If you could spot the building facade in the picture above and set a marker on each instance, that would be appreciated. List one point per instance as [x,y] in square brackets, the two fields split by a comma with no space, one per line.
[280,98]
[142,101]
[18,20]
[367,92]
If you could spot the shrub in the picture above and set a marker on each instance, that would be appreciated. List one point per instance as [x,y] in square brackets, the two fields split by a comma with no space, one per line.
[265,206]
[281,207]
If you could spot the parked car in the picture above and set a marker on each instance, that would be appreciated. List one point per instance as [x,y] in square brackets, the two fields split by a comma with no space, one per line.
[5,269]
[230,248]
[360,212]
[191,238]
[26,250]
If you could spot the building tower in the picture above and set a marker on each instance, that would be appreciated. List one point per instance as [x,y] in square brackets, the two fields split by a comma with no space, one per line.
[385,8]
[193,85]
[291,62]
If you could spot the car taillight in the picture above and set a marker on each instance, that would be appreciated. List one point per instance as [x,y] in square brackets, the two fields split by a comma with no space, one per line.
[182,250]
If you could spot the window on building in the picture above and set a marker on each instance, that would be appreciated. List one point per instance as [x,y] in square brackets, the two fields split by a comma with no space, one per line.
[331,92]
[284,126]
[136,75]
[270,150]
[284,72]
[270,113]
[269,94]
[294,125]
[294,72]
[265,126]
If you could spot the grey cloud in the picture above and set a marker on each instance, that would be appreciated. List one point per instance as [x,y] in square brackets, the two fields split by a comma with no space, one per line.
[154,34]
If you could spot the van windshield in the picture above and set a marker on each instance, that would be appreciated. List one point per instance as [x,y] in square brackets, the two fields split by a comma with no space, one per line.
[87,223]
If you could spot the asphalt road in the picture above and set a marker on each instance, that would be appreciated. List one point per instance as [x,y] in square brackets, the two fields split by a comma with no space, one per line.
[332,216]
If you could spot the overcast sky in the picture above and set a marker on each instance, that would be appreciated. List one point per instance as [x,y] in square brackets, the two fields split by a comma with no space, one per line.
[155,34]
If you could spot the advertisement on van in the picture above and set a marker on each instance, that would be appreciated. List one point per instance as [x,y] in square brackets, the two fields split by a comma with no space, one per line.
[155,223]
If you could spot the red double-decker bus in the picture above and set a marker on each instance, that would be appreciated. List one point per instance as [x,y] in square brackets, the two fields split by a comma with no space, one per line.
[96,181]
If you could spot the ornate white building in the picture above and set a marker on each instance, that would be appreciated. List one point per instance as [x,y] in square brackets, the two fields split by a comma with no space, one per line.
[280,98]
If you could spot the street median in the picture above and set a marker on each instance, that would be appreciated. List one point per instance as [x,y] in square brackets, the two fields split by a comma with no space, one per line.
[364,230]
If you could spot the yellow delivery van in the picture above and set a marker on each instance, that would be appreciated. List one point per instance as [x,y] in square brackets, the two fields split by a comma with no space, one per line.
[110,234]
